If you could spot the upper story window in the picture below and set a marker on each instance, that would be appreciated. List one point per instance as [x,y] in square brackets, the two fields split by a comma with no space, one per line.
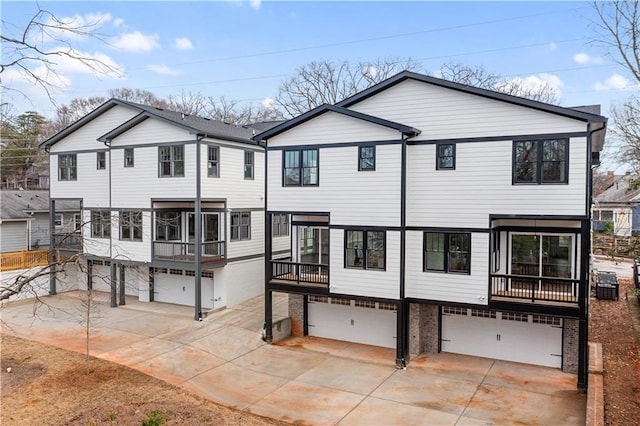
[248,164]
[171,160]
[366,158]
[447,252]
[541,161]
[100,224]
[280,225]
[213,161]
[365,249]
[131,226]
[101,160]
[67,167]
[58,220]
[128,157]
[168,226]
[300,167]
[445,156]
[240,226]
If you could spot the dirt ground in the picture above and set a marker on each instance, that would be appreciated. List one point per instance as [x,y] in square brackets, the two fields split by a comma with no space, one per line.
[612,324]
[49,386]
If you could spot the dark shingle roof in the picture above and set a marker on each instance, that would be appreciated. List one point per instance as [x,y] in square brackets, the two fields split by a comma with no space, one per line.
[18,204]
[619,192]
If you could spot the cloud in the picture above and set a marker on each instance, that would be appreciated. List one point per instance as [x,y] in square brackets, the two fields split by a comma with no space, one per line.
[583,58]
[183,43]
[370,71]
[268,103]
[163,70]
[255,4]
[616,81]
[136,42]
[520,86]
[72,27]
[118,22]
[552,46]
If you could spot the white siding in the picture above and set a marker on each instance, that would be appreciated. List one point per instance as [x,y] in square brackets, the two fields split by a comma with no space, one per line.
[247,247]
[242,280]
[152,131]
[444,113]
[139,251]
[14,236]
[361,282]
[458,288]
[333,127]
[353,197]
[92,185]
[481,185]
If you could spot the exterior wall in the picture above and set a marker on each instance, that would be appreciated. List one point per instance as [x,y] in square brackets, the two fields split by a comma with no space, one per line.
[92,185]
[151,131]
[243,280]
[14,235]
[423,329]
[67,280]
[570,346]
[254,246]
[40,229]
[296,312]
[449,287]
[353,197]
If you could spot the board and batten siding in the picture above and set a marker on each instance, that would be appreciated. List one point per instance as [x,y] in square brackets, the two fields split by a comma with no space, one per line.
[86,137]
[446,287]
[364,282]
[333,127]
[91,185]
[481,184]
[353,197]
[443,113]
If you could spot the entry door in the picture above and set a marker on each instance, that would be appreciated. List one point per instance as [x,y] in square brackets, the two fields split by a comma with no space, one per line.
[313,245]
[210,232]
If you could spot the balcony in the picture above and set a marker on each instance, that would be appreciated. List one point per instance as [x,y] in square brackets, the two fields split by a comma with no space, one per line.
[300,274]
[13,261]
[535,290]
[178,251]
[70,241]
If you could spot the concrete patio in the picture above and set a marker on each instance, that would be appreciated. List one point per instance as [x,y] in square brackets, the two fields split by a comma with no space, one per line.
[302,380]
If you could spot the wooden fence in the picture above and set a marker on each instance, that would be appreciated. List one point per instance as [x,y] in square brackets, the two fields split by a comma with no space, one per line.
[16,260]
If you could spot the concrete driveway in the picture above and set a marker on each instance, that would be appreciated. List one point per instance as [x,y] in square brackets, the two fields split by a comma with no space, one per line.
[303,380]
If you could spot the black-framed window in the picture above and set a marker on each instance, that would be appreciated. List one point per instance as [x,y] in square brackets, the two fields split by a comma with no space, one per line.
[365,249]
[128,157]
[100,224]
[366,158]
[67,167]
[541,161]
[171,160]
[213,161]
[445,156]
[447,252]
[101,160]
[130,226]
[240,226]
[249,163]
[168,226]
[58,220]
[77,221]
[300,167]
[280,225]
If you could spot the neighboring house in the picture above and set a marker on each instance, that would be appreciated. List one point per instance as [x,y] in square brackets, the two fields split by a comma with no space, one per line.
[619,206]
[172,204]
[25,220]
[431,216]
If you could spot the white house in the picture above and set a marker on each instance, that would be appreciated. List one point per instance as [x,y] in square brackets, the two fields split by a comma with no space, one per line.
[172,204]
[431,216]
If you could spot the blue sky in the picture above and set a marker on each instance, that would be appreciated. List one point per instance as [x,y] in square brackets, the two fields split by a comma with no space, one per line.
[243,49]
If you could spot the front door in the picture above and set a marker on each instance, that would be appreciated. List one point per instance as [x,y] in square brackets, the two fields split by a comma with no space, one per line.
[313,245]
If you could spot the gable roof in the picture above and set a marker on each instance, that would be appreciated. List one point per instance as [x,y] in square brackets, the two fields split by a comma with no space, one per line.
[528,103]
[18,204]
[402,128]
[620,192]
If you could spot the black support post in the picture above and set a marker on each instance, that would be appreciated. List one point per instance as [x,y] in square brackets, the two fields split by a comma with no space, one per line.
[113,285]
[197,249]
[122,286]
[52,246]
[268,295]
[583,323]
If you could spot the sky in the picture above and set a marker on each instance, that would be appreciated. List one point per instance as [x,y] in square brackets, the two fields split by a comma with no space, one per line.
[243,50]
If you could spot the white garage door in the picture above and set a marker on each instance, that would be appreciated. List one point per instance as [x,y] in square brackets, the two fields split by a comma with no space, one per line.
[531,339]
[178,287]
[369,323]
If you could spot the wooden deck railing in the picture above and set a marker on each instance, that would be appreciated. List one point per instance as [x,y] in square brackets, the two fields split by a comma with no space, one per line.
[12,261]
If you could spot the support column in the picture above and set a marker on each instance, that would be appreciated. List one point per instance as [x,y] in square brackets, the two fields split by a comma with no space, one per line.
[401,321]
[112,285]
[122,286]
[151,285]
[52,246]
[197,249]
[583,325]
[268,316]
[89,275]
[268,295]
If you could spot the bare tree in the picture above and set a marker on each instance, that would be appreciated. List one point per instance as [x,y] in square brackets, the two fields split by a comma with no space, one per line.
[189,103]
[626,120]
[35,50]
[236,112]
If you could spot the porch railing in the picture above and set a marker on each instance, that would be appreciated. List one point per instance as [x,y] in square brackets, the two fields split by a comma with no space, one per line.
[178,250]
[16,260]
[300,273]
[68,241]
[535,289]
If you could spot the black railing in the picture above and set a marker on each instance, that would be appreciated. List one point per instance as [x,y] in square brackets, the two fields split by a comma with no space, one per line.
[69,241]
[535,289]
[300,273]
[182,251]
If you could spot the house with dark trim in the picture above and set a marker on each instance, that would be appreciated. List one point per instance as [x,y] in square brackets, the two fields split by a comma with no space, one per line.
[432,216]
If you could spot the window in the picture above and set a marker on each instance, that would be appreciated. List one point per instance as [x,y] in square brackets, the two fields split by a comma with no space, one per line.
[58,220]
[171,160]
[128,157]
[445,156]
[447,252]
[540,161]
[542,255]
[366,158]
[101,160]
[168,226]
[248,164]
[280,225]
[300,168]
[67,167]
[100,224]
[131,226]
[365,249]
[213,161]
[240,226]
[77,221]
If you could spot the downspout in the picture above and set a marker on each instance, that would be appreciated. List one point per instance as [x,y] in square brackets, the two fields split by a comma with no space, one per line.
[197,249]
[112,281]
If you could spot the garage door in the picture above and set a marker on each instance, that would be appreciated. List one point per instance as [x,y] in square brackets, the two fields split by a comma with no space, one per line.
[178,286]
[370,323]
[531,339]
